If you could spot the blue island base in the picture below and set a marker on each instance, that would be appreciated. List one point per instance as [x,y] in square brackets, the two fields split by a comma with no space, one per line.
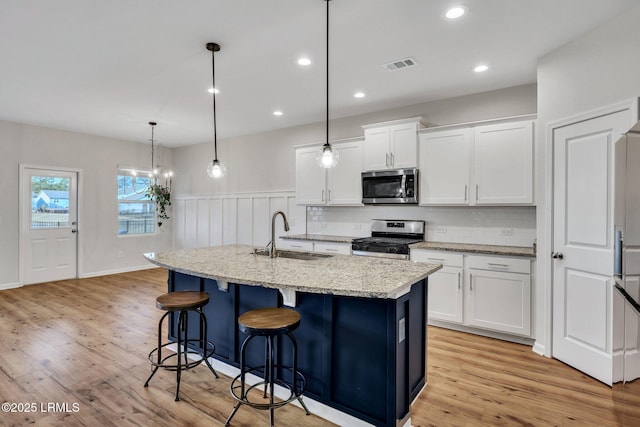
[362,356]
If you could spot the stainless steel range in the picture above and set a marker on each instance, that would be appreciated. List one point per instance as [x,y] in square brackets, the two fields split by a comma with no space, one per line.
[390,238]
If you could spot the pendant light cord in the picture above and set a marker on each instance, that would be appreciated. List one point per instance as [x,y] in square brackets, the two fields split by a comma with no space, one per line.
[327,124]
[215,137]
[152,124]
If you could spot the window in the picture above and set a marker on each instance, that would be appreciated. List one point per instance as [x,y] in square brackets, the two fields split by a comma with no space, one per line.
[136,213]
[49,202]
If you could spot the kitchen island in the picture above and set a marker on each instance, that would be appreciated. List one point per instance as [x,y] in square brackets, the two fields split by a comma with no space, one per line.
[362,339]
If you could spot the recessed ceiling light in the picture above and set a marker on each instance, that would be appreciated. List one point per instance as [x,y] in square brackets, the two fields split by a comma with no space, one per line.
[358,95]
[304,61]
[455,12]
[210,90]
[277,113]
[481,68]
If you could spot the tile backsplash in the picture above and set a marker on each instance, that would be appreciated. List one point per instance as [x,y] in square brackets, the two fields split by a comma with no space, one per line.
[508,226]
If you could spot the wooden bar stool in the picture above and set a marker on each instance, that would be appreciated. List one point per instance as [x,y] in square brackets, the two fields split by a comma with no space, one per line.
[182,302]
[270,323]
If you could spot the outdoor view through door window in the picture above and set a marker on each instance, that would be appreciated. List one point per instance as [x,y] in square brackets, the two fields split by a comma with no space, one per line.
[49,202]
[136,212]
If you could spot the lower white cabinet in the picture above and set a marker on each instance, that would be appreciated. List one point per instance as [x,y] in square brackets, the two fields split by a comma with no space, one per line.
[332,248]
[314,246]
[487,292]
[445,285]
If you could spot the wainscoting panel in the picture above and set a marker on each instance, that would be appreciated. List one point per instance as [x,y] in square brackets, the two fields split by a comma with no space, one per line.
[208,220]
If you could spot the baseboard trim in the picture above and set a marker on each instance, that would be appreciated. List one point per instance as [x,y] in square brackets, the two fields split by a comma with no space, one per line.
[485,333]
[539,349]
[5,286]
[117,271]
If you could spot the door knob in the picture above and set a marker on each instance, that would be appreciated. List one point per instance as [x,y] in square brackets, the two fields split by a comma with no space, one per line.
[557,255]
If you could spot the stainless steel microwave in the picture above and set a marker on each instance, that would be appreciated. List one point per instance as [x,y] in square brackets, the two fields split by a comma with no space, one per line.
[399,186]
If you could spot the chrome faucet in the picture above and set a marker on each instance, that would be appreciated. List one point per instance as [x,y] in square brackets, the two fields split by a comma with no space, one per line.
[272,250]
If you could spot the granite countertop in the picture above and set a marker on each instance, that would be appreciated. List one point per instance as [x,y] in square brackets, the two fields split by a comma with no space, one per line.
[521,251]
[319,238]
[338,274]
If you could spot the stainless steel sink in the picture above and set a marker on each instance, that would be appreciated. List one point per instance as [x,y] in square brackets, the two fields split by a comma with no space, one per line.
[306,256]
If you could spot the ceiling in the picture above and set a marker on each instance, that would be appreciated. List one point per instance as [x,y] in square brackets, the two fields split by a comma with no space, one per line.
[109,67]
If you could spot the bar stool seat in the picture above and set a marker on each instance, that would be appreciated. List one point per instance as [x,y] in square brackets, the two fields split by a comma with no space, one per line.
[182,302]
[270,323]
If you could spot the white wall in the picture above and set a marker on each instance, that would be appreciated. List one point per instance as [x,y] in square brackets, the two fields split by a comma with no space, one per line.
[598,69]
[266,161]
[98,158]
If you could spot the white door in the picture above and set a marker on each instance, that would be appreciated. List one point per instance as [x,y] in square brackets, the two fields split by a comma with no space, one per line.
[49,242]
[583,242]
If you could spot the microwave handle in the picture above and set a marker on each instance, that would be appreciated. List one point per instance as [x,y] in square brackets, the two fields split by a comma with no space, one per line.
[403,185]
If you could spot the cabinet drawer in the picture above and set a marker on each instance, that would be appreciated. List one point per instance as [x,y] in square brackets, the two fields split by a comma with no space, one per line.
[513,265]
[296,245]
[440,257]
[332,248]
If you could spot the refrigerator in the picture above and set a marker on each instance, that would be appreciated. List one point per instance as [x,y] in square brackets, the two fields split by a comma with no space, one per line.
[626,299]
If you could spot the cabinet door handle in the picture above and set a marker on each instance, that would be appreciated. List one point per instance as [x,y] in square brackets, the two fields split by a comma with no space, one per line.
[470,281]
[393,158]
[386,159]
[329,194]
[491,264]
[331,250]
[323,195]
[435,259]
[458,280]
[465,192]
[476,192]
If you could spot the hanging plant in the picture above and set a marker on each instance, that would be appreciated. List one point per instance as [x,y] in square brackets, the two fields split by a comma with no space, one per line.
[161,195]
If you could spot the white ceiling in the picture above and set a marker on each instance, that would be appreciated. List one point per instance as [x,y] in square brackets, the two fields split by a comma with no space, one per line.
[109,67]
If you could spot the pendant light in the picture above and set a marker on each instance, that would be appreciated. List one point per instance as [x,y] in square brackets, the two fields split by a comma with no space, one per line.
[327,156]
[216,169]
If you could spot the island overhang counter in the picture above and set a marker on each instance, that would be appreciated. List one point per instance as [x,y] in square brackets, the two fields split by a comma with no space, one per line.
[362,340]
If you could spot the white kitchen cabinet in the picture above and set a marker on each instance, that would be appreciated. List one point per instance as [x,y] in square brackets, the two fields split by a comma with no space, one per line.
[314,246]
[445,285]
[444,164]
[479,292]
[332,248]
[391,145]
[477,165]
[334,186]
[499,294]
[503,163]
[295,245]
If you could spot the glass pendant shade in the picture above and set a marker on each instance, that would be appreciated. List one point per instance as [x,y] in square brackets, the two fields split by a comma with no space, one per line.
[327,156]
[216,169]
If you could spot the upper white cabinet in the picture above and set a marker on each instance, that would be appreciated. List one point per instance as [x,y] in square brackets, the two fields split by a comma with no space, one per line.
[503,163]
[479,165]
[391,145]
[444,162]
[335,186]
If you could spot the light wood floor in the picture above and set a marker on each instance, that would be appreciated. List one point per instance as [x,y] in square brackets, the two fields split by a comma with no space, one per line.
[84,343]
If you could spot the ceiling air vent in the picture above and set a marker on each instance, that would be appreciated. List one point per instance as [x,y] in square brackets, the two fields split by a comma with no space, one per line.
[400,64]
